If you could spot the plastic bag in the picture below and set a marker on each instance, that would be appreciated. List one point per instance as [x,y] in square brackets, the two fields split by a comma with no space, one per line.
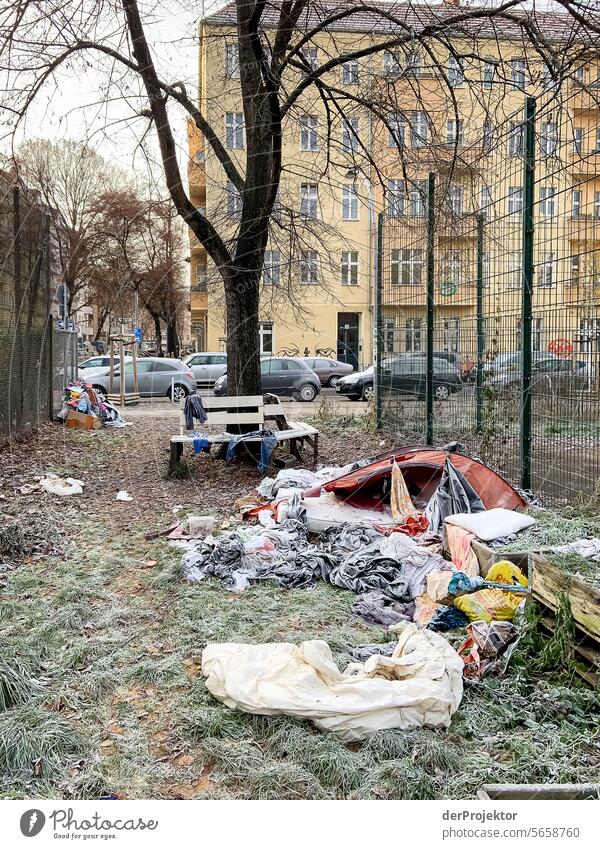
[489,605]
[506,572]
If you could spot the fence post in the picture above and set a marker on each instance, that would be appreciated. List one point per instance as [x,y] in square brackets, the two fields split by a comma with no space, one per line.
[378,319]
[527,291]
[430,309]
[479,329]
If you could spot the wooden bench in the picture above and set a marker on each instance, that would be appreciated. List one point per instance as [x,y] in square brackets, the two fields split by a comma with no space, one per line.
[253,411]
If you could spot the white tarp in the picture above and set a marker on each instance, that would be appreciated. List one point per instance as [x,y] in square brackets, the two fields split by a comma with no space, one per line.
[419,685]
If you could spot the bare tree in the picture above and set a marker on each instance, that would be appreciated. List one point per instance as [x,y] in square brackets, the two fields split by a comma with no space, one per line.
[38,38]
[69,177]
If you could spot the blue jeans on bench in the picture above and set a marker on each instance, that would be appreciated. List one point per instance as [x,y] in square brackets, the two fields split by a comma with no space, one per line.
[268,441]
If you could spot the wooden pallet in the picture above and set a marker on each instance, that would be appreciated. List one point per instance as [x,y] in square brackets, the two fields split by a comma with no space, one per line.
[586,650]
[547,584]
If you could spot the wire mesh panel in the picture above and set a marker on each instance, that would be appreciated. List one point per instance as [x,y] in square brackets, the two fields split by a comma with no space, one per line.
[514,253]
[24,307]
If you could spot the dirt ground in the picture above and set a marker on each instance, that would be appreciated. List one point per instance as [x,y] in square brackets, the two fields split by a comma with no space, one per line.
[101,638]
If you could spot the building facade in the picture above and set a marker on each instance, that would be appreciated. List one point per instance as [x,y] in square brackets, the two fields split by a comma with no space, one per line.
[453,108]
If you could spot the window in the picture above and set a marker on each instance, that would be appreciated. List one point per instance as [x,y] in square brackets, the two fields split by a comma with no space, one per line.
[575,266]
[578,74]
[589,335]
[349,268]
[488,136]
[515,200]
[452,268]
[547,201]
[596,204]
[576,203]
[456,75]
[349,203]
[419,129]
[309,268]
[232,62]
[407,265]
[455,199]
[514,269]
[418,199]
[395,129]
[395,197]
[265,335]
[454,133]
[389,333]
[392,63]
[486,203]
[546,270]
[516,138]
[350,141]
[200,278]
[311,57]
[234,130]
[309,200]
[413,334]
[537,326]
[549,78]
[578,140]
[548,138]
[308,132]
[234,200]
[597,143]
[517,73]
[489,72]
[414,63]
[452,334]
[272,268]
[350,72]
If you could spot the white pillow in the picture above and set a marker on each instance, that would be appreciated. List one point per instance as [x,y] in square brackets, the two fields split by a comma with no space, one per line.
[491,524]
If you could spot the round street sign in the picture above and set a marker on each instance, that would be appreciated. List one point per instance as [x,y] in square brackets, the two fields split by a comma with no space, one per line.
[448,289]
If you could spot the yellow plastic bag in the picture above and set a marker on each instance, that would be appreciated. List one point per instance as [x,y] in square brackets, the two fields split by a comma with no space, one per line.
[489,604]
[505,572]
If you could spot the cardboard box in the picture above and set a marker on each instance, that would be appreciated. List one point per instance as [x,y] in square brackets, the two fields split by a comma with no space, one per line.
[82,421]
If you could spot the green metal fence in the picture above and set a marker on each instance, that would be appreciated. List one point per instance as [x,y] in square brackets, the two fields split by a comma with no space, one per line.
[489,268]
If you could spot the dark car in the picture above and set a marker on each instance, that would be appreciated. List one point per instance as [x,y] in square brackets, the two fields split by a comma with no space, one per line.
[328,371]
[542,365]
[407,375]
[282,376]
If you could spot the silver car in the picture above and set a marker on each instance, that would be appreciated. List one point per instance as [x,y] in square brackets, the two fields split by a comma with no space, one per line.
[207,366]
[328,371]
[157,377]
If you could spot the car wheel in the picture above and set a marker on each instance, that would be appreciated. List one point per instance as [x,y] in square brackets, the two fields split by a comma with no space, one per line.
[178,394]
[307,392]
[367,392]
[441,393]
[333,380]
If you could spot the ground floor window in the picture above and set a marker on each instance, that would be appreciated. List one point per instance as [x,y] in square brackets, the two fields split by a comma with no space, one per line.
[265,333]
[389,334]
[537,333]
[589,335]
[452,334]
[413,334]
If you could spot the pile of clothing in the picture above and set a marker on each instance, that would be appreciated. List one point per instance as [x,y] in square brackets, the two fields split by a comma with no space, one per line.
[81,398]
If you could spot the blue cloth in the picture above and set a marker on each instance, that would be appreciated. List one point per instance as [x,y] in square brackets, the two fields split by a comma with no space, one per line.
[201,443]
[447,619]
[461,583]
[268,441]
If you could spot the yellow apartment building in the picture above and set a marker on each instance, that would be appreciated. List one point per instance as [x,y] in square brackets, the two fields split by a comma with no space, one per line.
[455,111]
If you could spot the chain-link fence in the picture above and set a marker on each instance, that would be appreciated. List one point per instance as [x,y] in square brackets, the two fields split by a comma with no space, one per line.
[488,313]
[31,381]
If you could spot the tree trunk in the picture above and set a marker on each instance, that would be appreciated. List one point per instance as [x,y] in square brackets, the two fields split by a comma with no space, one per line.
[157,333]
[243,345]
[101,322]
[172,337]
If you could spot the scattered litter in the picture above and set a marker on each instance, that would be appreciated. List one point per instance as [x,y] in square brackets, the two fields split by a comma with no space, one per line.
[56,485]
[200,526]
[453,495]
[363,653]
[447,619]
[123,495]
[488,648]
[85,408]
[376,608]
[587,548]
[265,517]
[420,685]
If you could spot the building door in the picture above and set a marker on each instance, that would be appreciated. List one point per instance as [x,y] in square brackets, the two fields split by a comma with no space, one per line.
[347,338]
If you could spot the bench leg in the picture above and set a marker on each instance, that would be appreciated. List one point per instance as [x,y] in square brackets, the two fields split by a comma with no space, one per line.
[316,447]
[294,449]
[176,454]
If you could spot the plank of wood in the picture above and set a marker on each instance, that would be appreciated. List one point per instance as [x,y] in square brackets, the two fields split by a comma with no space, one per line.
[548,582]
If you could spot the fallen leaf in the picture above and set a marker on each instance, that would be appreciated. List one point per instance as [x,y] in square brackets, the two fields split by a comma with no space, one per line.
[185,760]
[116,729]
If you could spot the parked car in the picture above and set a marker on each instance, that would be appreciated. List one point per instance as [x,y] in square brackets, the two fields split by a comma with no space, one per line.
[511,374]
[328,371]
[282,376]
[96,364]
[157,377]
[206,366]
[406,374]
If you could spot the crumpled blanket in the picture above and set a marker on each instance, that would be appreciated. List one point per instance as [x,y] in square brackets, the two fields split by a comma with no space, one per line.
[364,652]
[420,685]
[395,565]
[588,548]
[376,608]
[350,536]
